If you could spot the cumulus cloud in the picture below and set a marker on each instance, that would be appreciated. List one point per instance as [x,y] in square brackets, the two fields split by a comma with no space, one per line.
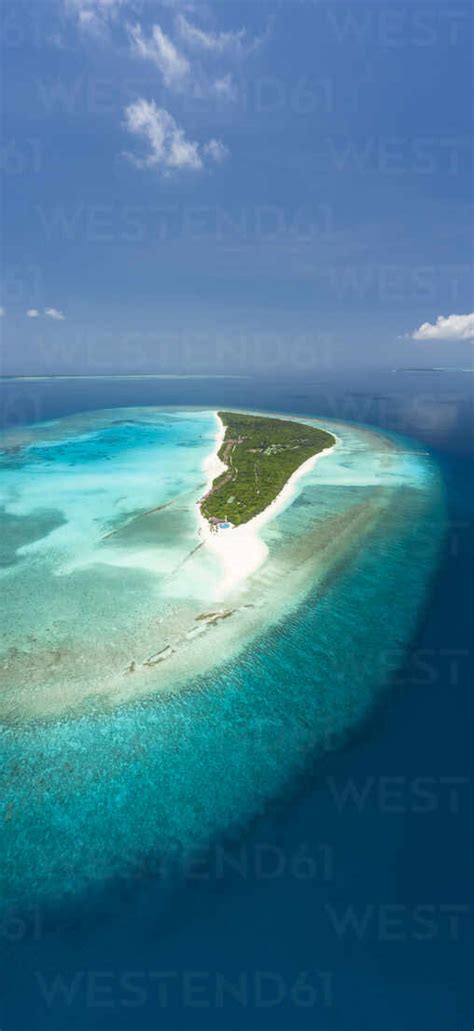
[33,313]
[160,49]
[169,149]
[54,313]
[447,327]
[202,63]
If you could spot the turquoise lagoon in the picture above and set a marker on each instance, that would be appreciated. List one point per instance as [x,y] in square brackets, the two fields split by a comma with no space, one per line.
[144,715]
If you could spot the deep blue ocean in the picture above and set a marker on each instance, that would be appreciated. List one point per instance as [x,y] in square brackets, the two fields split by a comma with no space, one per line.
[347,905]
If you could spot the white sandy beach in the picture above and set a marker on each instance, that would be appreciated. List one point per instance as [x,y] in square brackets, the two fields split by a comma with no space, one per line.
[240,549]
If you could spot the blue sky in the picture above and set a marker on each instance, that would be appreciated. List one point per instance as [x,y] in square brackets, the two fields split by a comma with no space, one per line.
[189,187]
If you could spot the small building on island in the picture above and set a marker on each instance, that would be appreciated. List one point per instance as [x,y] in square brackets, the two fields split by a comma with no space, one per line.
[217,523]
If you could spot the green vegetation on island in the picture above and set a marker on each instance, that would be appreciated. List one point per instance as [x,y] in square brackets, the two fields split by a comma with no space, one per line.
[261,454]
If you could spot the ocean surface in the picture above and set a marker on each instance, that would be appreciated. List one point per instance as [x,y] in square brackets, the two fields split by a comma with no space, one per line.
[255,822]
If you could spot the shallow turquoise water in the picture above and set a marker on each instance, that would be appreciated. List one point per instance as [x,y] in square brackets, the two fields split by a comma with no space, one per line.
[97,791]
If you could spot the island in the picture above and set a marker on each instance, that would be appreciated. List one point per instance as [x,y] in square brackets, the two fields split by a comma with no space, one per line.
[261,453]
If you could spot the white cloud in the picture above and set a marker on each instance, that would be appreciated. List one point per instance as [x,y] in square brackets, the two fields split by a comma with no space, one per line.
[93,16]
[447,327]
[197,62]
[225,87]
[234,42]
[160,49]
[53,313]
[87,9]
[169,148]
[215,150]
[2,312]
[33,313]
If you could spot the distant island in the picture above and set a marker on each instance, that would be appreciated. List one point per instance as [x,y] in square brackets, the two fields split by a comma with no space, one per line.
[119,375]
[260,454]
[430,368]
